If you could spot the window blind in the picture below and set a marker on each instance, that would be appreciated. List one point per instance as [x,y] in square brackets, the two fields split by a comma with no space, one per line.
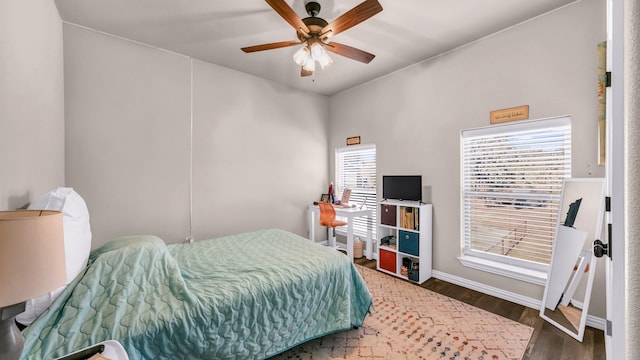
[356,170]
[511,186]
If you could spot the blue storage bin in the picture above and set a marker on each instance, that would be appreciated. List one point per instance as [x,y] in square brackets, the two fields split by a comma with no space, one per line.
[409,242]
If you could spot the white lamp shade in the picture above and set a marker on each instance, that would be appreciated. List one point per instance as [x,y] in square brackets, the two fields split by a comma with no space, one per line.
[317,51]
[325,60]
[310,65]
[301,56]
[32,259]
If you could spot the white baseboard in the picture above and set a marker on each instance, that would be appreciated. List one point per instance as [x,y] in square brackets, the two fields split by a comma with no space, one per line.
[592,321]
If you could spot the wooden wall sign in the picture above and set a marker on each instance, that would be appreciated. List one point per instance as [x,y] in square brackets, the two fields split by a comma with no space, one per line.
[510,114]
[354,140]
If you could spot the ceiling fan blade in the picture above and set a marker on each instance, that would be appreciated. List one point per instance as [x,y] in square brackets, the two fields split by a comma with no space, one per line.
[350,52]
[270,46]
[287,13]
[304,72]
[353,17]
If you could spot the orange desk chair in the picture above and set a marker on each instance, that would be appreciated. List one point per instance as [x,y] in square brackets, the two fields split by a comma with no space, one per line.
[328,219]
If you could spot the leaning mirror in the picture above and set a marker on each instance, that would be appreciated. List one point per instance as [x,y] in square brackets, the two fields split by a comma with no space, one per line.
[568,289]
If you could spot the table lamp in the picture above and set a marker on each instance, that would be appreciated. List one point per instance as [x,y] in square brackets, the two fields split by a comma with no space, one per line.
[32,263]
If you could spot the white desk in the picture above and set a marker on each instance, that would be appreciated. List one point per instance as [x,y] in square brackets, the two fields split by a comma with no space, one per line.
[349,214]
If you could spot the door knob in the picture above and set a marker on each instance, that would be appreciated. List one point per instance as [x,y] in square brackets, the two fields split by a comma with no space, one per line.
[600,249]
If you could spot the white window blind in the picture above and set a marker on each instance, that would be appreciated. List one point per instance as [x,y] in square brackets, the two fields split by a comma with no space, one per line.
[511,186]
[356,170]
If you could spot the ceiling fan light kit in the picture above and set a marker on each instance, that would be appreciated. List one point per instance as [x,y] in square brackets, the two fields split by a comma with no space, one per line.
[306,57]
[314,32]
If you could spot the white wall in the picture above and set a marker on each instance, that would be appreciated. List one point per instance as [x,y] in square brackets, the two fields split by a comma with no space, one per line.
[259,149]
[127,118]
[415,116]
[632,178]
[31,101]
[260,153]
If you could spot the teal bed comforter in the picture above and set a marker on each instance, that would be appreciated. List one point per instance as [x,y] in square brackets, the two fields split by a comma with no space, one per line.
[246,296]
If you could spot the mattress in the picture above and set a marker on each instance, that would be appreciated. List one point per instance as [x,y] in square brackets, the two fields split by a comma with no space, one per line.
[246,296]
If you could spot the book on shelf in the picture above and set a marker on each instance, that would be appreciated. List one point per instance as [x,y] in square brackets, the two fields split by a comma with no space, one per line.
[409,218]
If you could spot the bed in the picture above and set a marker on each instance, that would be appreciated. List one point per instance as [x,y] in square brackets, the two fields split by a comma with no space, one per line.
[249,296]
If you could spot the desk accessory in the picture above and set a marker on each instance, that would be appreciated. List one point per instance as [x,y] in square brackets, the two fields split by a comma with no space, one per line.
[346,196]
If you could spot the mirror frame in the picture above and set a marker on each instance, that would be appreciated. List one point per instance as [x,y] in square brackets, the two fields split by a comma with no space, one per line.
[555,258]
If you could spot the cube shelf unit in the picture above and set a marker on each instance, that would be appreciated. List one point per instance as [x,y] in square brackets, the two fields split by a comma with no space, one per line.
[405,239]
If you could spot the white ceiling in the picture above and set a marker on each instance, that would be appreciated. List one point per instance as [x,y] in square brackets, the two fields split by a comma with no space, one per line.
[404,33]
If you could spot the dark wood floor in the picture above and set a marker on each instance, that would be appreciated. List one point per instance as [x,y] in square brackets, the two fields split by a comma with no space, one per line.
[547,341]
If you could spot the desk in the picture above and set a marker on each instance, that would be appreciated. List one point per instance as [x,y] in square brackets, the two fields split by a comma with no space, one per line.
[349,214]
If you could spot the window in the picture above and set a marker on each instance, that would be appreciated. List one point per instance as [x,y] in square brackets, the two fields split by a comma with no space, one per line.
[356,170]
[511,186]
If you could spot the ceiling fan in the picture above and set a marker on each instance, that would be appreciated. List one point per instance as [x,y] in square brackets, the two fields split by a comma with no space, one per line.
[314,32]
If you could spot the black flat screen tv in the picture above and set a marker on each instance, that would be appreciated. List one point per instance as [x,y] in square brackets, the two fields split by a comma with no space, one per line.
[402,187]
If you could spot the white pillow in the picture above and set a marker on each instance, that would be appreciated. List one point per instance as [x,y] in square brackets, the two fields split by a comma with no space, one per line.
[77,243]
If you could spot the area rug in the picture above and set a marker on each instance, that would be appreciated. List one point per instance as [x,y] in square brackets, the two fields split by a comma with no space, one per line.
[410,322]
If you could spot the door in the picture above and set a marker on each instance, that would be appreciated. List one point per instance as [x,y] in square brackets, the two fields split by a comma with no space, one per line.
[614,261]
